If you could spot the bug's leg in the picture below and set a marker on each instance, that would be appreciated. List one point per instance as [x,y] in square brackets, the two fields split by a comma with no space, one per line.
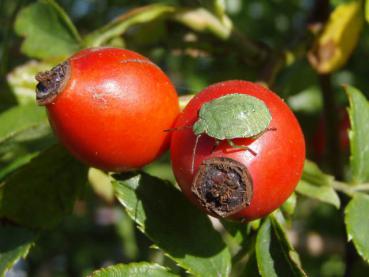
[231,143]
[194,153]
[176,128]
[263,132]
[270,129]
[216,143]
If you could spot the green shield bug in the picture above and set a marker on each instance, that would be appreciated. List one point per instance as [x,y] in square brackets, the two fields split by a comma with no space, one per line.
[232,116]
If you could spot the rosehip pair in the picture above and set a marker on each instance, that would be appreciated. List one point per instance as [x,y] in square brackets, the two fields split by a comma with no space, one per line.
[110,107]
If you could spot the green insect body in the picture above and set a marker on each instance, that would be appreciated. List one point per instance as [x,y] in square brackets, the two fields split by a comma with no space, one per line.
[233,116]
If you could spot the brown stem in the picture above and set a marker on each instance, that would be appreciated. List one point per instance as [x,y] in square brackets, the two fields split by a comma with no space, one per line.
[253,52]
[320,14]
[332,122]
[272,68]
[335,157]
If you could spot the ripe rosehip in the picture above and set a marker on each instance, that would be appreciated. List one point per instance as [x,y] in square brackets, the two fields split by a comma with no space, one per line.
[234,183]
[109,107]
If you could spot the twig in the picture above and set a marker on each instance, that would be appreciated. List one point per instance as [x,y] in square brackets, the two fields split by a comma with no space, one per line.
[350,190]
[295,50]
[254,52]
[332,123]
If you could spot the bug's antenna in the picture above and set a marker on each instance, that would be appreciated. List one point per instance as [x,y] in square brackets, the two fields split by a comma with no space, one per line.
[194,152]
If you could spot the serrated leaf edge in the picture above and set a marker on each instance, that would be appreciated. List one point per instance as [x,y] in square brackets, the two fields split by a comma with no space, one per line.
[358,247]
[151,265]
[22,255]
[140,226]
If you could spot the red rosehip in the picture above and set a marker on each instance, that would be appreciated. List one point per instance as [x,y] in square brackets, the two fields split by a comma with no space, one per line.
[109,107]
[234,183]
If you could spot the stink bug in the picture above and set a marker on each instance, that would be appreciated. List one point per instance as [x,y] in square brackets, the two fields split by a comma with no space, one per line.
[232,116]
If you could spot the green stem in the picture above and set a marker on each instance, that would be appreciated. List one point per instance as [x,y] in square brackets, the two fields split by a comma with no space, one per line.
[362,187]
[279,59]
[350,190]
[253,52]
[339,186]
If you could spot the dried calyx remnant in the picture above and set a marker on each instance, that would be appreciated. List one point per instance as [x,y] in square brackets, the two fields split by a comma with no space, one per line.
[51,82]
[223,186]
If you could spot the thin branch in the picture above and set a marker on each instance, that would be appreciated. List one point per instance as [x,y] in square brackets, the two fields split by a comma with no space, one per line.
[332,122]
[350,190]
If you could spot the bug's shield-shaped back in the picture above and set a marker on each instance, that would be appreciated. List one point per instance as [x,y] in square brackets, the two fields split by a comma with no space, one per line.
[232,116]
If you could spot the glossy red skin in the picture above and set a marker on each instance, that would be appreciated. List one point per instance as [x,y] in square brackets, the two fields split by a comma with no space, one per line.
[275,170]
[114,109]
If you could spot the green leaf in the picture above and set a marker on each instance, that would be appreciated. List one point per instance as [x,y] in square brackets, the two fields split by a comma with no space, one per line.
[101,184]
[126,229]
[48,31]
[21,119]
[357,223]
[315,184]
[339,37]
[173,224]
[307,101]
[244,261]
[217,7]
[118,26]
[263,255]
[42,192]
[274,253]
[359,135]
[251,267]
[339,2]
[134,270]
[367,10]
[5,170]
[23,83]
[289,206]
[15,243]
[201,20]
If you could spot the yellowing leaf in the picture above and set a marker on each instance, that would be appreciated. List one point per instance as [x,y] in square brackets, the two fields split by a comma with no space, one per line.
[334,45]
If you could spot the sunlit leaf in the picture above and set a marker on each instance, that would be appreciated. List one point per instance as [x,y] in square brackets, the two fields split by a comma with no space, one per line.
[359,135]
[134,270]
[15,243]
[288,207]
[216,6]
[118,26]
[21,119]
[201,20]
[101,184]
[48,31]
[316,184]
[23,83]
[333,47]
